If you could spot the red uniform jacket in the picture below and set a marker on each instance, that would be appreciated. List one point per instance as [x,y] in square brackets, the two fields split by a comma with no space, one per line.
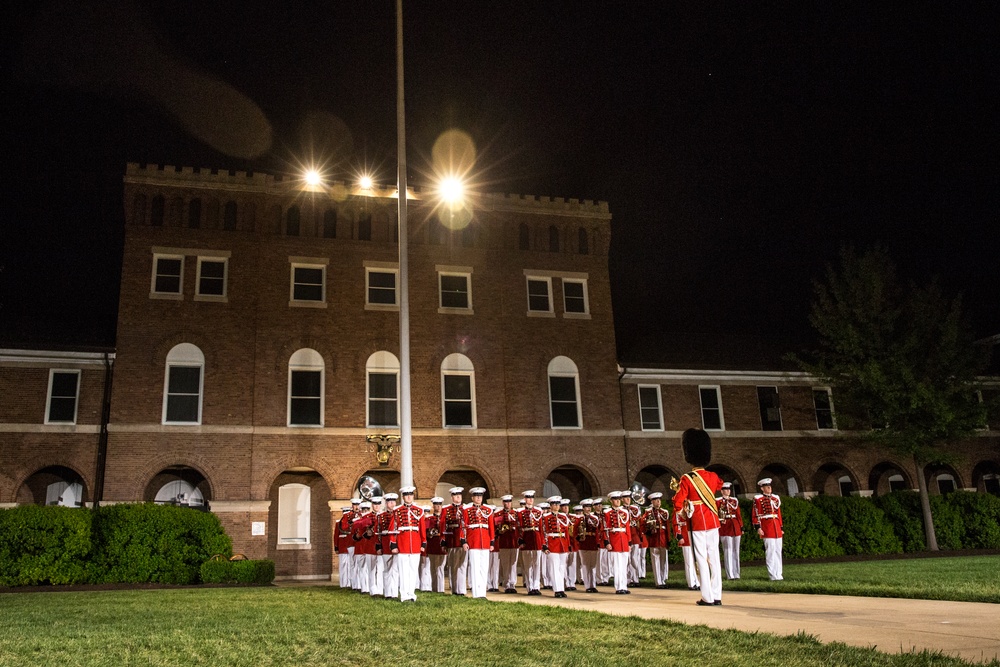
[478,520]
[634,534]
[555,532]
[616,528]
[766,515]
[342,539]
[681,528]
[385,535]
[574,520]
[363,534]
[703,518]
[407,527]
[506,538]
[433,533]
[730,517]
[452,526]
[590,532]
[530,528]
[656,526]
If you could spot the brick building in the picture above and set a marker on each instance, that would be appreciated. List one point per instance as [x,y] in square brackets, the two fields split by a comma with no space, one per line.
[257,358]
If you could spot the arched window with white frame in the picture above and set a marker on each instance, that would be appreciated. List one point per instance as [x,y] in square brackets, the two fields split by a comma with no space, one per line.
[306,378]
[182,385]
[564,394]
[382,389]
[458,392]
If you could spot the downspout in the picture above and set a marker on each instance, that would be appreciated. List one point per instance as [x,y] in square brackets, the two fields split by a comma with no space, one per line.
[102,440]
[621,409]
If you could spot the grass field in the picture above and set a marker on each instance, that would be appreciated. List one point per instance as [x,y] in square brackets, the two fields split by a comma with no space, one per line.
[328,626]
[965,579]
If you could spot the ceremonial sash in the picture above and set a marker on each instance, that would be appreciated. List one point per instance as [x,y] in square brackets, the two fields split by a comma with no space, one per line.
[705,493]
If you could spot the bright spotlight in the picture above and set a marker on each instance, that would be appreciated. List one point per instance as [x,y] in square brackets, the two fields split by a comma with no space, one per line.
[365,182]
[452,190]
[313,177]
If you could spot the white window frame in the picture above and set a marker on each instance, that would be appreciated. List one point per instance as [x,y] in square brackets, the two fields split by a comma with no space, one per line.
[184,355]
[306,263]
[198,296]
[458,364]
[372,267]
[527,290]
[564,367]
[298,534]
[381,362]
[585,315]
[718,396]
[153,293]
[833,415]
[452,272]
[307,360]
[76,398]
[659,406]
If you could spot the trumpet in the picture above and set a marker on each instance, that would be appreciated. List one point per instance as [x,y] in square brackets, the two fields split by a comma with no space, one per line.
[674,484]
[505,528]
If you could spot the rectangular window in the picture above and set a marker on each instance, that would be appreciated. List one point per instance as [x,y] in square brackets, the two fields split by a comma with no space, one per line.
[382,404]
[650,408]
[455,291]
[212,276]
[381,287]
[63,393]
[294,512]
[563,402]
[458,401]
[168,271]
[539,295]
[308,283]
[305,402]
[183,395]
[770,408]
[575,297]
[711,409]
[824,409]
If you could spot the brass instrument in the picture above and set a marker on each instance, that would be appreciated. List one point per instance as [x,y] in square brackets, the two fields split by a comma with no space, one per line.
[674,484]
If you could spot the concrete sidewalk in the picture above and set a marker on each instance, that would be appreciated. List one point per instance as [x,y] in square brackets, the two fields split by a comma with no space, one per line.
[970,630]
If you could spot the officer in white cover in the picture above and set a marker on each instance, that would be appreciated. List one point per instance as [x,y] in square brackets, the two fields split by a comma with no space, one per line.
[530,543]
[730,530]
[766,518]
[453,538]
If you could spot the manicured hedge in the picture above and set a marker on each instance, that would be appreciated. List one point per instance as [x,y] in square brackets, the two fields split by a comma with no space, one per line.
[44,545]
[962,520]
[237,571]
[862,527]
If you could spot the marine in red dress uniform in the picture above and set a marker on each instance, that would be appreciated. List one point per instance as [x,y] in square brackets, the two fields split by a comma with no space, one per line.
[590,536]
[406,527]
[436,553]
[765,515]
[507,535]
[478,524]
[555,544]
[530,542]
[617,522]
[453,540]
[363,534]
[344,545]
[730,530]
[655,525]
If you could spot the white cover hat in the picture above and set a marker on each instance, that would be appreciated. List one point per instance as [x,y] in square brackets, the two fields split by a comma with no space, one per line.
[654,496]
[477,491]
[408,490]
[355,501]
[437,500]
[543,506]
[376,500]
[615,494]
[391,496]
[507,498]
[555,499]
[528,494]
[727,485]
[455,490]
[764,482]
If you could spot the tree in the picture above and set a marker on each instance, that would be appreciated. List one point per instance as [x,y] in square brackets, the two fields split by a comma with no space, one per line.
[903,362]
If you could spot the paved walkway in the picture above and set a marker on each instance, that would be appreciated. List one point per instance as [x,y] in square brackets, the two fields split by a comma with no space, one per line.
[970,630]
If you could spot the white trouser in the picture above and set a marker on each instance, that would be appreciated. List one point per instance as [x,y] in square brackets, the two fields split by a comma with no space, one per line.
[344,567]
[437,566]
[634,566]
[589,561]
[508,568]
[604,566]
[479,565]
[772,557]
[377,575]
[390,576]
[407,566]
[731,555]
[571,569]
[618,561]
[363,572]
[457,563]
[493,578]
[557,571]
[532,569]
[425,573]
[642,562]
[546,571]
[659,558]
[690,568]
[706,553]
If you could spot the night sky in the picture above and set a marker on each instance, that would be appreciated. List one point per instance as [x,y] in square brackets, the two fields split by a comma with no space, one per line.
[739,147]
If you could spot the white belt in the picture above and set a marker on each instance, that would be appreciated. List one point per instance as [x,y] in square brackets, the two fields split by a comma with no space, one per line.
[478,525]
[405,528]
[618,530]
[529,530]
[554,534]
[768,516]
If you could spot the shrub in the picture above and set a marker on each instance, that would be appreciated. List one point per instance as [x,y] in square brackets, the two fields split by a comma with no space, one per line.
[44,545]
[902,511]
[808,532]
[145,542]
[863,527]
[980,514]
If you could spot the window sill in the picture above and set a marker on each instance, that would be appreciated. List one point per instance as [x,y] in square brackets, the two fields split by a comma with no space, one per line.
[384,307]
[294,546]
[166,296]
[541,313]
[306,304]
[455,311]
[576,316]
[211,297]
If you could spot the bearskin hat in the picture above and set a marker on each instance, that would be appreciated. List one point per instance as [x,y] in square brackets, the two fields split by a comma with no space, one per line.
[697,445]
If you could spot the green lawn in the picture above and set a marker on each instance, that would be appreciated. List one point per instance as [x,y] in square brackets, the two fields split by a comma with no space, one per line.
[327,626]
[966,579]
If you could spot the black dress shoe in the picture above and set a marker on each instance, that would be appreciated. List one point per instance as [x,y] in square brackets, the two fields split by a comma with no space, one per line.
[621,592]
[560,595]
[694,588]
[662,586]
[535,592]
[546,588]
[627,592]
[702,603]
[510,590]
[591,590]
[571,588]
[718,603]
[492,590]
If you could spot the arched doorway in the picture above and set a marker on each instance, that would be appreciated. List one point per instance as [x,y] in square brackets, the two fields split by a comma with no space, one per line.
[656,478]
[833,479]
[729,475]
[179,485]
[464,477]
[568,482]
[300,533]
[986,477]
[942,479]
[784,481]
[54,485]
[887,477]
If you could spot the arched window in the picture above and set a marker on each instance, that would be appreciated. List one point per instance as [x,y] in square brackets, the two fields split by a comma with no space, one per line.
[306,377]
[156,211]
[382,370]
[194,214]
[523,241]
[553,239]
[182,385]
[179,492]
[294,502]
[229,216]
[458,392]
[583,241]
[330,224]
[293,219]
[564,394]
[365,227]
[64,494]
